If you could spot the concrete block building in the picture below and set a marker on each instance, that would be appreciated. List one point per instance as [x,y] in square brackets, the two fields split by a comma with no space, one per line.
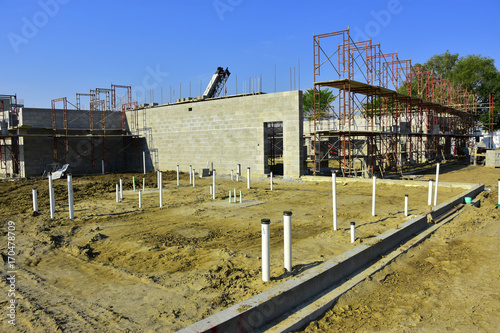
[260,131]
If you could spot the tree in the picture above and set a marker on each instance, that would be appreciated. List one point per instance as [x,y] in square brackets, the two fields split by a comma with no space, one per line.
[326,96]
[474,73]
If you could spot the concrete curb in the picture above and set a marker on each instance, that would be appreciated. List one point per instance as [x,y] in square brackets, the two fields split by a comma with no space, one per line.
[254,313]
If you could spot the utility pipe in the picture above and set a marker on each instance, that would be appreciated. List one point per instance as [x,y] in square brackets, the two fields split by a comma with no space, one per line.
[406,204]
[160,187]
[177,175]
[248,177]
[266,256]
[51,197]
[429,201]
[140,198]
[353,237]
[35,200]
[437,184]
[117,193]
[144,161]
[374,194]
[287,233]
[213,185]
[334,199]
[70,197]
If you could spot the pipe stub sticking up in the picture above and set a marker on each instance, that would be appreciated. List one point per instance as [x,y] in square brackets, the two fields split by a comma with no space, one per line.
[287,213]
[265,221]
[353,223]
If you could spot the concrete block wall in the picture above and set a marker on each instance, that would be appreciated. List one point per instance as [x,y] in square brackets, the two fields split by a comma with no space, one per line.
[225,132]
[37,152]
[77,119]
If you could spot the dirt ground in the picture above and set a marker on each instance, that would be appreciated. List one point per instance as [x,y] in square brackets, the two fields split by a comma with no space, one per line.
[117,267]
[450,282]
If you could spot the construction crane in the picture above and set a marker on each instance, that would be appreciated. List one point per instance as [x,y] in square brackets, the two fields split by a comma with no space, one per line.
[217,82]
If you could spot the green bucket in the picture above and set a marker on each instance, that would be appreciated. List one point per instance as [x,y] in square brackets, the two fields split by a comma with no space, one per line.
[468,200]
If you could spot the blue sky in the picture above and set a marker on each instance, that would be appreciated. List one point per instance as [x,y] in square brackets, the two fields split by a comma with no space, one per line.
[56,48]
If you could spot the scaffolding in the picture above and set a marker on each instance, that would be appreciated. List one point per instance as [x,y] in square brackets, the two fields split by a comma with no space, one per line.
[10,115]
[390,116]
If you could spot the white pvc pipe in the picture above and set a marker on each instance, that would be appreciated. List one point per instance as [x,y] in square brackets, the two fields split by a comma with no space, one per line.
[353,228]
[241,196]
[213,185]
[234,199]
[334,199]
[133,182]
[102,166]
[237,177]
[229,196]
[160,187]
[35,199]
[231,175]
[70,197]
[51,197]
[121,189]
[117,193]
[238,169]
[374,194]
[143,183]
[211,190]
[140,198]
[248,177]
[194,172]
[499,192]
[429,202]
[144,161]
[190,174]
[158,179]
[271,181]
[406,205]
[266,255]
[437,184]
[177,175]
[287,234]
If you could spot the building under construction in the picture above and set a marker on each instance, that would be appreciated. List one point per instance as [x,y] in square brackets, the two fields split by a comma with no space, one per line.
[388,117]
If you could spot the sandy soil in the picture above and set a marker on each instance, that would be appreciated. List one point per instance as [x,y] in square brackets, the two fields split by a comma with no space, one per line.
[120,268]
[448,283]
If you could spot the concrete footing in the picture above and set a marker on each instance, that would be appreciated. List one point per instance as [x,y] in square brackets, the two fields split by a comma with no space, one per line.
[255,313]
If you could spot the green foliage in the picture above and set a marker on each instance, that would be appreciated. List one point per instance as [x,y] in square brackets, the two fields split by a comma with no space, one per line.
[327,98]
[472,72]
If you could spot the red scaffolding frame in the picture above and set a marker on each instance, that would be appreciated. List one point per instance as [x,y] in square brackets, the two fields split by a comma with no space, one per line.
[410,116]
